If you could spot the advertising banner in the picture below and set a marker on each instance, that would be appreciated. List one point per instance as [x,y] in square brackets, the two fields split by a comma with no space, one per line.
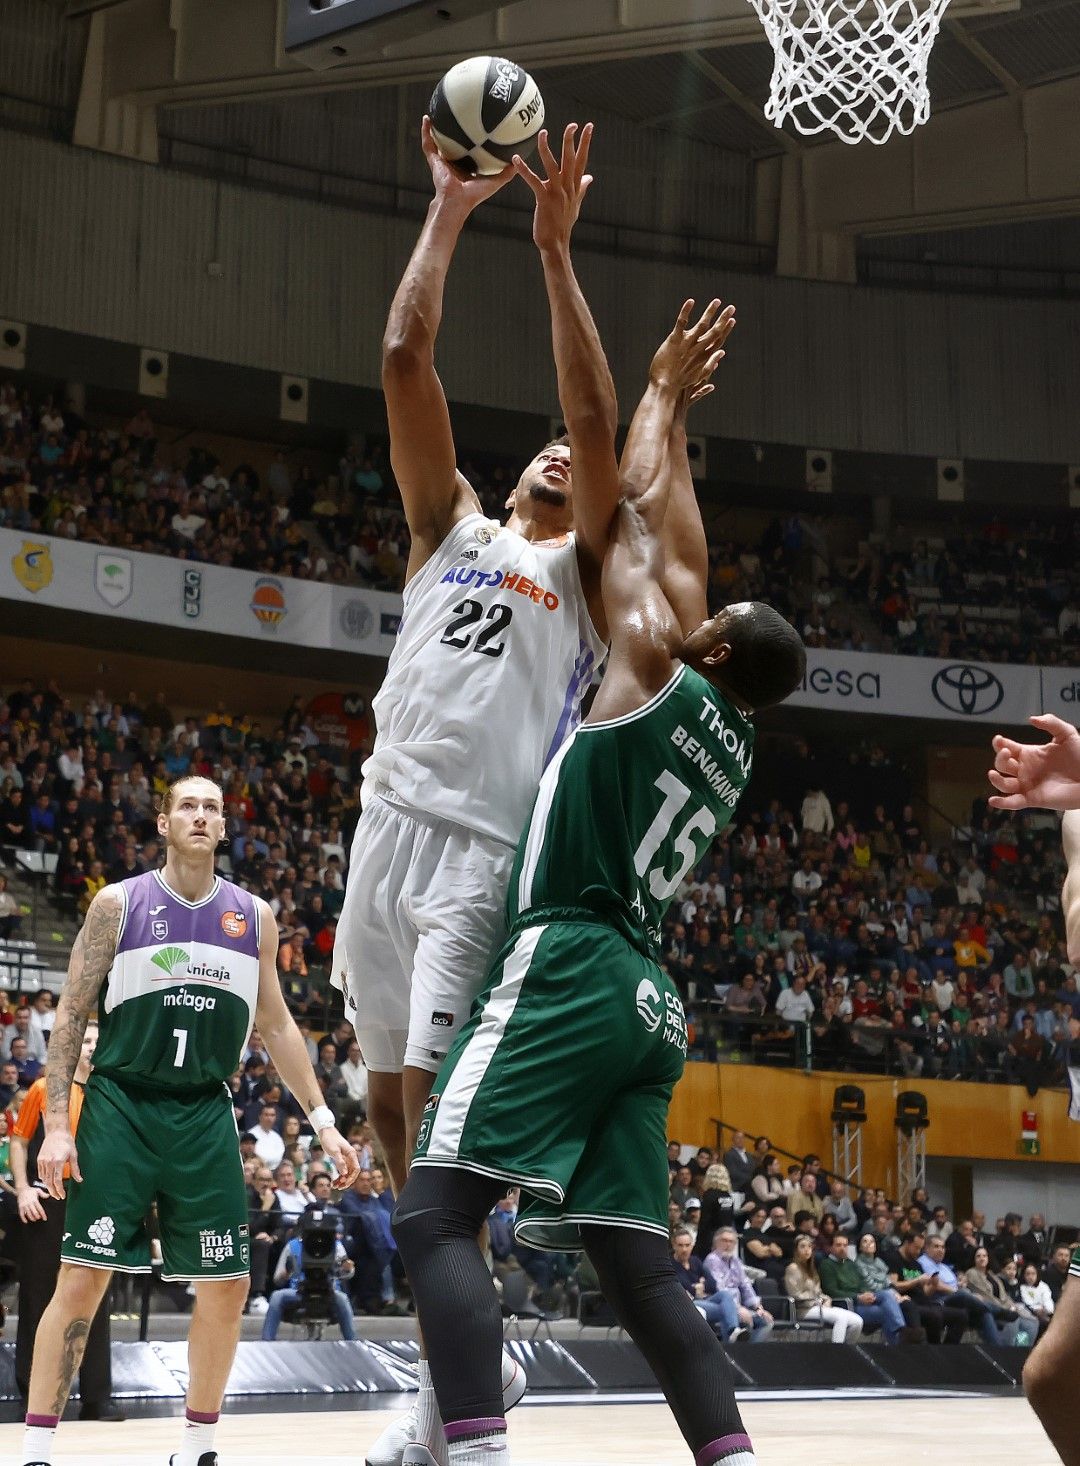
[276,610]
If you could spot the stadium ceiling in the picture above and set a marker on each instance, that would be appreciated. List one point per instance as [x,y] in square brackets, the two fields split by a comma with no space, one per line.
[1004,79]
[696,66]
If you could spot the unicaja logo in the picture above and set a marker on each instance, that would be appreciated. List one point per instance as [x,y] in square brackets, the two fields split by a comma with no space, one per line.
[102,1231]
[169,959]
[968,689]
[648,1006]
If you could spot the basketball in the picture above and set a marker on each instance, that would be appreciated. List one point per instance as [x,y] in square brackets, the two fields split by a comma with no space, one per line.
[483,111]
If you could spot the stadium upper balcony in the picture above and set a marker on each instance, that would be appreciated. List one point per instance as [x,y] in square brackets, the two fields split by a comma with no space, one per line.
[992,588]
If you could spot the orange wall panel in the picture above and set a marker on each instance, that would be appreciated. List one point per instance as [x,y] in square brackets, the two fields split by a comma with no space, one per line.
[968,1121]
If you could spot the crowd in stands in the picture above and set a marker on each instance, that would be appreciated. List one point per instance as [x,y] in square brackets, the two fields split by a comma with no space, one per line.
[758,1248]
[826,923]
[1006,590]
[826,911]
[128,488]
[83,784]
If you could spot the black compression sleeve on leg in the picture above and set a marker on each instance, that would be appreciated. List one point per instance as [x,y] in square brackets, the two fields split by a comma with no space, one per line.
[436,1222]
[636,1275]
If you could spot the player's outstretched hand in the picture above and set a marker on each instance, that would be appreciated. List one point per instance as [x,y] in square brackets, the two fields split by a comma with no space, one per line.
[346,1161]
[57,1151]
[688,357]
[453,186]
[560,194]
[29,1202]
[1038,775]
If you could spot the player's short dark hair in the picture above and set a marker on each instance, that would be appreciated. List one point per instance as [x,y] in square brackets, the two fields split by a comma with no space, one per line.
[768,659]
[561,442]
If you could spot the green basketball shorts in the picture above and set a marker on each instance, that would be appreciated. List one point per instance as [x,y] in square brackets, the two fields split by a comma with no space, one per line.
[560,1083]
[136,1148]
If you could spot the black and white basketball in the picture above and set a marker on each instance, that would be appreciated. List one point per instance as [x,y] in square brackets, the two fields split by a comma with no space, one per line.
[484,111]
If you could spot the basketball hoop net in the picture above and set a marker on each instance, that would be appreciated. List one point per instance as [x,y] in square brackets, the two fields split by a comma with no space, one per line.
[855,67]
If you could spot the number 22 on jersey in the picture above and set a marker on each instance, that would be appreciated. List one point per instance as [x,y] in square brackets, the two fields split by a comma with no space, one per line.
[467,615]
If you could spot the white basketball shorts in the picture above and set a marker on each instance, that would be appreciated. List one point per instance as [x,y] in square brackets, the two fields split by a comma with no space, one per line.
[423,913]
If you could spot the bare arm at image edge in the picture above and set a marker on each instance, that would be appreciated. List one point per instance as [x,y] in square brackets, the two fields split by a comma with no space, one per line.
[91,958]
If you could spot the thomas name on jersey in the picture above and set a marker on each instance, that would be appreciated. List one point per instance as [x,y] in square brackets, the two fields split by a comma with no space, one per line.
[699,755]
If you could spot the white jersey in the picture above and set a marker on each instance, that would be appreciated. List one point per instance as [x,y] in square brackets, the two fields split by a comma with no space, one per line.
[495,652]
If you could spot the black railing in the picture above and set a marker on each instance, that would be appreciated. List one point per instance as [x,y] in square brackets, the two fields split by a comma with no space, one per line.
[776,1150]
[865,1048]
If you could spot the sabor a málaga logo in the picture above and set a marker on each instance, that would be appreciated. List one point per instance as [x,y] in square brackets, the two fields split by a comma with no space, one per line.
[968,689]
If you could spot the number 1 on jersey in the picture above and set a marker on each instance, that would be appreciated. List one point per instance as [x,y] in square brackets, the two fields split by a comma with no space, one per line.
[675,795]
[180,1035]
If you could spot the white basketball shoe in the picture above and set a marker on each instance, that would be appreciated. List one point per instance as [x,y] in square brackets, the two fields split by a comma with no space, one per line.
[389,1448]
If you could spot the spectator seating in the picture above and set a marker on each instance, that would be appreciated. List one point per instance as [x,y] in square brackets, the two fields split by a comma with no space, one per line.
[1003,589]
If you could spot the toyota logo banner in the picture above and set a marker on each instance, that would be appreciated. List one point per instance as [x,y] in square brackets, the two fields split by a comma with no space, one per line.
[922,687]
[180,596]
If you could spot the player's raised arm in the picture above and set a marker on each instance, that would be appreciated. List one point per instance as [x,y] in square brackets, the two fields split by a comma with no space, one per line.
[680,371]
[587,397]
[1070,892]
[686,550]
[639,613]
[92,955]
[422,452]
[1038,775]
[286,1047]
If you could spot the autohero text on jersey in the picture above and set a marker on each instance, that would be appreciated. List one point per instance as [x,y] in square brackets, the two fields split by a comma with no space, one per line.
[465,575]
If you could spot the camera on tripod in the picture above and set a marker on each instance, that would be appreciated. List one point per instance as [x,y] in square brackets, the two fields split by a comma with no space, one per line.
[318,1265]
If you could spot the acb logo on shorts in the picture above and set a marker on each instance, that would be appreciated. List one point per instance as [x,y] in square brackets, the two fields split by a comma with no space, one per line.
[424,1133]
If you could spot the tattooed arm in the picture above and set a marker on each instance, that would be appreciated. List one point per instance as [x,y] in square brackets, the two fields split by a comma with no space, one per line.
[91,957]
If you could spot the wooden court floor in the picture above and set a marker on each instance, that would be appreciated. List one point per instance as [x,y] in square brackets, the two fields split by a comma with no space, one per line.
[818,1432]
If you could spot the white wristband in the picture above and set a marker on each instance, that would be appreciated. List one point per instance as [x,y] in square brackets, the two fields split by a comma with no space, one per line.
[321,1118]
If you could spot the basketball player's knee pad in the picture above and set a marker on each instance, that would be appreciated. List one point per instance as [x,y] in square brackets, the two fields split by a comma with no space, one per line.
[440,1205]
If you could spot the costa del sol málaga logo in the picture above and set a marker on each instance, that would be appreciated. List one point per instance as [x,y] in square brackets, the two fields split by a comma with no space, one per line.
[648,1004]
[968,689]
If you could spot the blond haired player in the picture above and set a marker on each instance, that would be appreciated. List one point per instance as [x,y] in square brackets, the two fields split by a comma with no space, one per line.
[178,965]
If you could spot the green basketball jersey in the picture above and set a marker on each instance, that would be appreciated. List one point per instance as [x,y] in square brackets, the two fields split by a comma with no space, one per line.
[628,807]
